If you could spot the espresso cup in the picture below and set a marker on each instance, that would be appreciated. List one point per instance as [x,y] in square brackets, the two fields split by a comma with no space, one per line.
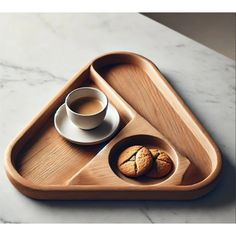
[86,121]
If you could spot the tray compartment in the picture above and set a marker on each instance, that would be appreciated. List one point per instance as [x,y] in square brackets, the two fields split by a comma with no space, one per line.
[155,105]
[48,159]
[149,142]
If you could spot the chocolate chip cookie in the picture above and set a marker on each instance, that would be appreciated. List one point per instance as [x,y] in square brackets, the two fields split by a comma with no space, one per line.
[162,164]
[135,161]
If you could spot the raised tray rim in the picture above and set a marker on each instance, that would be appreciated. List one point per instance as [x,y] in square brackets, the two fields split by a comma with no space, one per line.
[18,180]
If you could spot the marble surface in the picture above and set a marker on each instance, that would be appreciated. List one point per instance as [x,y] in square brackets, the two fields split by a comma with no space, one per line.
[40,52]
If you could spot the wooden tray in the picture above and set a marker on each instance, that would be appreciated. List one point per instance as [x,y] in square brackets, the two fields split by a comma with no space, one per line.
[42,165]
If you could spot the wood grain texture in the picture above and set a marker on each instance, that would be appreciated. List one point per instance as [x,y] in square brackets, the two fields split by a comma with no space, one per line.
[43,165]
[49,159]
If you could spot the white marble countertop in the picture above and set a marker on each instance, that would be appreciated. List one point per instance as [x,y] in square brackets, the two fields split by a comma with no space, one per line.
[39,52]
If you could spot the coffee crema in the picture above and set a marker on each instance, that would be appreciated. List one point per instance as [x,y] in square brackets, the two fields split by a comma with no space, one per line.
[86,105]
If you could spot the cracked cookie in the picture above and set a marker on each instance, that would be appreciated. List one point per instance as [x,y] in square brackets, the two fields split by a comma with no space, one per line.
[161,166]
[135,161]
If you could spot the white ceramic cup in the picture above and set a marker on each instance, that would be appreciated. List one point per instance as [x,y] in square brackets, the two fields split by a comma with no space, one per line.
[88,121]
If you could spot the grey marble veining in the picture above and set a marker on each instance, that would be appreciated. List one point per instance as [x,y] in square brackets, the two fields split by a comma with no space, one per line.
[40,52]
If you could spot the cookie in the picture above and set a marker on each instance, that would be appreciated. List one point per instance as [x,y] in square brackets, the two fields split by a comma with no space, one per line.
[135,161]
[162,164]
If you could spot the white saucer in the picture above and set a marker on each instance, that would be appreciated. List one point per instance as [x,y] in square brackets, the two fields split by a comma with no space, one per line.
[86,137]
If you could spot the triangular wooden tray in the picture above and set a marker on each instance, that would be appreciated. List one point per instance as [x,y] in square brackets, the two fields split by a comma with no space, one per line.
[42,165]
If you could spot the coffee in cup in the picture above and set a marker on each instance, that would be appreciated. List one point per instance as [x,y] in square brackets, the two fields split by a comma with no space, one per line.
[86,107]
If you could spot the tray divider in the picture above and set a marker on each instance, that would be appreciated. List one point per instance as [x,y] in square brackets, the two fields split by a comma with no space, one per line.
[125,110]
